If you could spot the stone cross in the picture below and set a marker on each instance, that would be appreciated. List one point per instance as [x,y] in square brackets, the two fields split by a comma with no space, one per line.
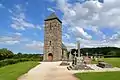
[75,58]
[78,46]
[75,54]
[87,54]
[70,56]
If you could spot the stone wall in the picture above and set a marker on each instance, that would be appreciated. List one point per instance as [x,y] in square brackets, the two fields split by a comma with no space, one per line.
[53,39]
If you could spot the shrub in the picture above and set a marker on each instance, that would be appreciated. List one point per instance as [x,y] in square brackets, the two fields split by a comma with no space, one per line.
[5,53]
[11,61]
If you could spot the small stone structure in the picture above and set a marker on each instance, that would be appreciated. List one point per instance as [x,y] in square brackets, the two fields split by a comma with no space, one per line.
[64,63]
[78,62]
[64,53]
[87,60]
[70,56]
[104,65]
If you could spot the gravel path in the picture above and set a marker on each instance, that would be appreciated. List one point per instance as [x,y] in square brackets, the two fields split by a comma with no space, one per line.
[48,71]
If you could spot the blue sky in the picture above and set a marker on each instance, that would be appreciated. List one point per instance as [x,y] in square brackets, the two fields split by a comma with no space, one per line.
[93,23]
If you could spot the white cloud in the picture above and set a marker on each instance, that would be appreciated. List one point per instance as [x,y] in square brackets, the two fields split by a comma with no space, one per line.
[91,15]
[70,45]
[83,33]
[35,45]
[115,37]
[98,43]
[19,21]
[66,36]
[109,1]
[10,40]
[9,10]
[1,6]
[13,38]
[50,0]
[94,43]
[18,34]
[74,15]
[39,27]
[26,3]
[50,9]
[35,34]
[79,32]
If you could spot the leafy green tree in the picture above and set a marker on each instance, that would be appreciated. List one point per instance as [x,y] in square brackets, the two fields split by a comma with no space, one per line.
[112,53]
[5,53]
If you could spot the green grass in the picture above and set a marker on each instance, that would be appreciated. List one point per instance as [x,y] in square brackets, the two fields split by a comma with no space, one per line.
[102,75]
[12,72]
[99,76]
[114,61]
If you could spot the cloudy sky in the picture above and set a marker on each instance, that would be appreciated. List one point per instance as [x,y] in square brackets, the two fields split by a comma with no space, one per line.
[95,23]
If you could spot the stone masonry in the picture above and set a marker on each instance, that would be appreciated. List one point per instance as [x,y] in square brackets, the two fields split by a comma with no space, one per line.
[52,38]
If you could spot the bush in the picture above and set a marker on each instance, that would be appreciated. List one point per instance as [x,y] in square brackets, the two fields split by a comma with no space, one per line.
[31,57]
[11,61]
[14,61]
[5,53]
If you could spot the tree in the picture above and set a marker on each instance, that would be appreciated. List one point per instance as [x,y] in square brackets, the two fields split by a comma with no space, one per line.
[112,53]
[5,53]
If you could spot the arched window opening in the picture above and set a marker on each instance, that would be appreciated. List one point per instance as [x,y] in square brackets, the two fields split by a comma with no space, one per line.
[50,43]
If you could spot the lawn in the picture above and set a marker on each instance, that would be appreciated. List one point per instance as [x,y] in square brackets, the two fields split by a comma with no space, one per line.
[99,76]
[12,72]
[102,75]
[114,61]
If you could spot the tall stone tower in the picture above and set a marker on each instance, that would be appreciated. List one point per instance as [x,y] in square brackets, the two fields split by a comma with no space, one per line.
[52,38]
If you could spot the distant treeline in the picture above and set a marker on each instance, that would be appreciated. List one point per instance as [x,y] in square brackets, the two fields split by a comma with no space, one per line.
[7,57]
[105,51]
[7,54]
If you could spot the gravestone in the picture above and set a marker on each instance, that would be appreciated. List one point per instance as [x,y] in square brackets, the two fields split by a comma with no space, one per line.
[79,65]
[64,63]
[104,65]
[70,57]
[87,60]
[79,60]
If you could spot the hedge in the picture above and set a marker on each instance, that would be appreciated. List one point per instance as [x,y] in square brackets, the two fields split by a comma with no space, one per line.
[11,61]
[14,61]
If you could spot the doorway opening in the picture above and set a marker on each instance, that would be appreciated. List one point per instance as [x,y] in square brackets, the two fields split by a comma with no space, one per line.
[50,57]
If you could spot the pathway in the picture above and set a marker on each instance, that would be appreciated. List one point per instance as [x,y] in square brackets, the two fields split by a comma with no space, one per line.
[48,71]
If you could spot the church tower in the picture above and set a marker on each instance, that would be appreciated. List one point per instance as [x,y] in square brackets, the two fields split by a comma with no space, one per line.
[52,38]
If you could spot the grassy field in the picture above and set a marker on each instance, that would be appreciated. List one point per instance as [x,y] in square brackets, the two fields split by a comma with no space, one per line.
[114,61]
[99,76]
[102,75]
[12,72]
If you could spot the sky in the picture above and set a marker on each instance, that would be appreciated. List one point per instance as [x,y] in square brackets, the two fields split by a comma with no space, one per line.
[95,23]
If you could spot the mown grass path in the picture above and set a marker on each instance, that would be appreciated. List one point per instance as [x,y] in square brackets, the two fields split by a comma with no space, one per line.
[12,72]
